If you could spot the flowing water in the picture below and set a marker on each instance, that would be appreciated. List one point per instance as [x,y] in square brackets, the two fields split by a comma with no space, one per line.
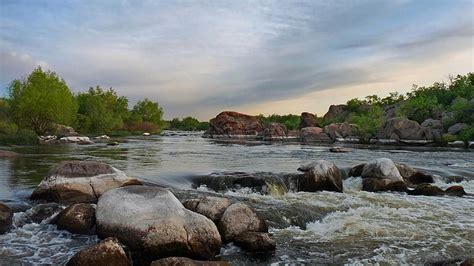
[354,227]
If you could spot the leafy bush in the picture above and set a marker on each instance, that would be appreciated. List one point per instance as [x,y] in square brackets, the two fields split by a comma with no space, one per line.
[21,137]
[290,121]
[368,122]
[188,124]
[467,134]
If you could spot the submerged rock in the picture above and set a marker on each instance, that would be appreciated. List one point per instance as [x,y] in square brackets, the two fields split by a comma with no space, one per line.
[211,207]
[239,218]
[255,242]
[107,252]
[320,175]
[378,174]
[6,218]
[78,218]
[457,191]
[183,261]
[151,220]
[427,190]
[339,149]
[39,213]
[80,181]
[455,179]
[264,183]
[8,154]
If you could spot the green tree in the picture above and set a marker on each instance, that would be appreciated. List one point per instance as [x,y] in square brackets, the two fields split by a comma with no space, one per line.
[369,122]
[41,99]
[147,111]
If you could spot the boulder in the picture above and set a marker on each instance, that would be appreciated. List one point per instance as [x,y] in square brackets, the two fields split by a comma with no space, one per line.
[107,252]
[211,207]
[39,213]
[182,261]
[342,130]
[413,176]
[239,218]
[307,120]
[457,191]
[356,170]
[314,134]
[455,179]
[320,175]
[427,190]
[456,128]
[293,134]
[378,185]
[456,144]
[255,242]
[151,220]
[467,262]
[6,218]
[339,149]
[433,128]
[378,174]
[78,218]
[401,128]
[76,139]
[80,181]
[335,112]
[273,131]
[8,154]
[64,131]
[233,124]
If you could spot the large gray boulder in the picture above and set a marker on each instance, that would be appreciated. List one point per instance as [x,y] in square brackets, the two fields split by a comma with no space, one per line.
[107,252]
[319,175]
[239,218]
[456,128]
[80,181]
[151,220]
[6,218]
[401,128]
[314,134]
[433,128]
[381,175]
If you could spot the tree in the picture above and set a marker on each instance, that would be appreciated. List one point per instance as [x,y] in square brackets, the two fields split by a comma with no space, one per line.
[40,100]
[147,111]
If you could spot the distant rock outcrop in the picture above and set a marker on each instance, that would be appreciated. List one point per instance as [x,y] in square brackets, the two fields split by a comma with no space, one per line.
[314,134]
[342,130]
[336,111]
[234,124]
[401,128]
[307,120]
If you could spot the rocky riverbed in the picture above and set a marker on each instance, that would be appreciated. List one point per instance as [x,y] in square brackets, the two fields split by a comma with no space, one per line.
[183,196]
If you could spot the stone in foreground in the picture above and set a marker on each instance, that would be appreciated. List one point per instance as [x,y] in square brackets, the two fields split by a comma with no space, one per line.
[379,174]
[107,252]
[80,181]
[239,218]
[211,207]
[183,261]
[152,221]
[6,218]
[320,175]
[255,242]
[78,218]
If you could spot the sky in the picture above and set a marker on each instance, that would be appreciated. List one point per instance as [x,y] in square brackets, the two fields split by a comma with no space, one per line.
[198,58]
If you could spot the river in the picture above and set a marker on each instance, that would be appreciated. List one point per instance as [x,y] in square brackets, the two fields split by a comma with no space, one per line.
[354,227]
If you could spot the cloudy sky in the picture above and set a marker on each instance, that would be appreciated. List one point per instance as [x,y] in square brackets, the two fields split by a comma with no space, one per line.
[200,57]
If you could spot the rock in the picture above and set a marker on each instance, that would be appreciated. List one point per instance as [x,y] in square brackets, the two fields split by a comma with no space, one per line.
[40,213]
[413,176]
[78,218]
[314,134]
[6,218]
[356,170]
[211,207]
[320,175]
[64,131]
[146,134]
[342,130]
[339,149]
[307,120]
[433,128]
[107,252]
[76,139]
[335,112]
[233,124]
[264,183]
[80,181]
[151,220]
[113,143]
[293,134]
[239,218]
[455,179]
[427,190]
[470,144]
[468,262]
[401,128]
[456,128]
[8,154]
[455,191]
[255,242]
[377,185]
[182,261]
[457,144]
[273,131]
[378,174]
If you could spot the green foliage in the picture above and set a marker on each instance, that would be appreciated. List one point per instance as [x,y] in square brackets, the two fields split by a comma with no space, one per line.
[290,121]
[20,137]
[467,134]
[40,100]
[421,107]
[147,111]
[463,110]
[188,124]
[101,111]
[369,121]
[445,138]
